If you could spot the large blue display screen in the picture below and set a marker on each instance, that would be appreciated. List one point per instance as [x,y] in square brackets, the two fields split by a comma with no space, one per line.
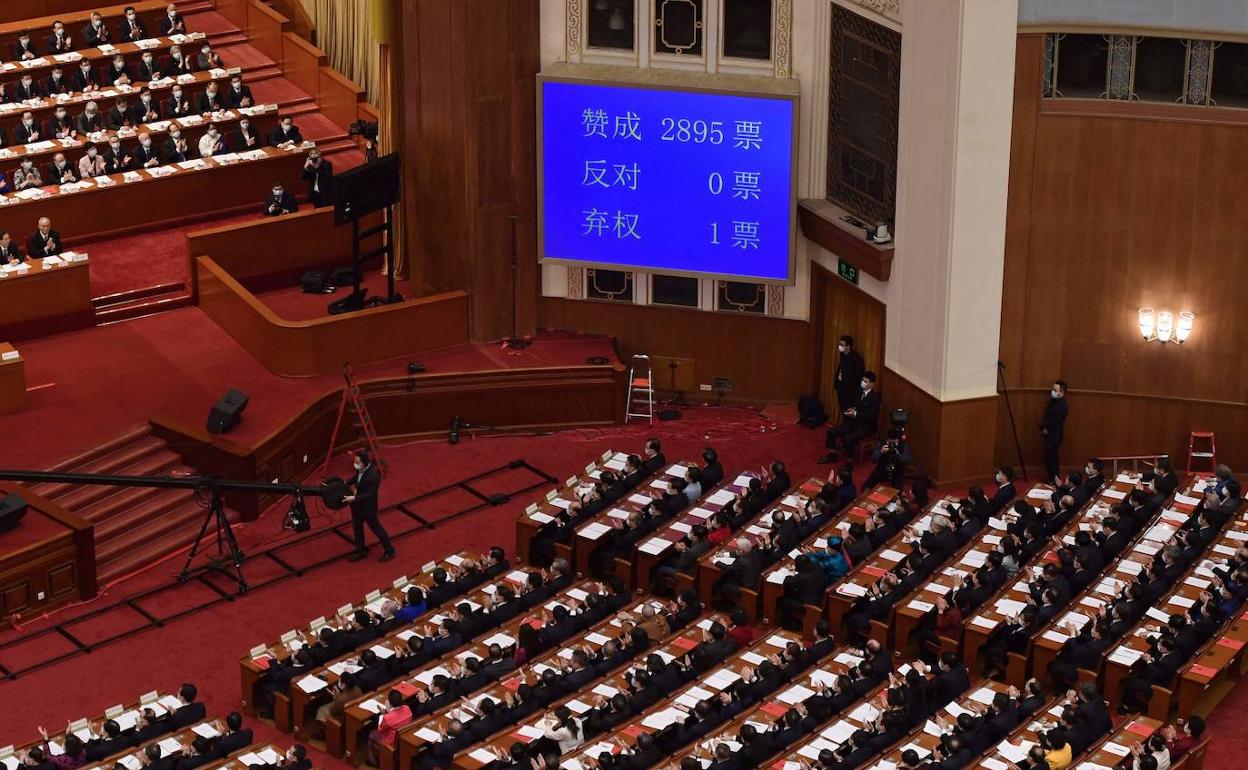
[670,181]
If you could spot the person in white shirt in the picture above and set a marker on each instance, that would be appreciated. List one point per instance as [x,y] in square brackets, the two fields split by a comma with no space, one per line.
[211,143]
[564,729]
[91,164]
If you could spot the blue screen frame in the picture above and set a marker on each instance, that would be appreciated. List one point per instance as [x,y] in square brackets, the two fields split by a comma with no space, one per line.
[674,180]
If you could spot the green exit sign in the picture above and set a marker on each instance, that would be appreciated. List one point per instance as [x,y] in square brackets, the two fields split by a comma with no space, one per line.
[847,271]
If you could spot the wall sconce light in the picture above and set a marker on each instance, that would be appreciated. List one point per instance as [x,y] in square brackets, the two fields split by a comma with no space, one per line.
[1160,326]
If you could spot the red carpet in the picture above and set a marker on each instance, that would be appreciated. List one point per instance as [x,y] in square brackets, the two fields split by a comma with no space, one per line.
[149,259]
[106,381]
[294,305]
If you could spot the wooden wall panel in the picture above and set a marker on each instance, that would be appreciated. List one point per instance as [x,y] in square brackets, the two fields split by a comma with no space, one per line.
[305,348]
[301,63]
[1114,207]
[310,241]
[60,566]
[954,442]
[264,29]
[468,70]
[338,97]
[234,10]
[522,399]
[769,359]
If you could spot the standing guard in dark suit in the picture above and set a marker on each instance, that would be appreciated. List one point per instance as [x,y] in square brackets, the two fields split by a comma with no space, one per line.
[1051,427]
[363,500]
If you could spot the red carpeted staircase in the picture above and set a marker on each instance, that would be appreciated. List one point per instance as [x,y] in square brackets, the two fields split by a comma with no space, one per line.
[134,527]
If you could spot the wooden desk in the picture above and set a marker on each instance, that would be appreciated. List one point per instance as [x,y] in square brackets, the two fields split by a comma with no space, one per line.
[773,577]
[359,713]
[651,551]
[257,661]
[539,514]
[1107,752]
[823,673]
[1122,571]
[43,300]
[12,380]
[169,743]
[867,573]
[711,564]
[681,702]
[418,736]
[587,535]
[42,570]
[36,17]
[185,193]
[1210,661]
[977,628]
[11,72]
[127,716]
[42,109]
[263,120]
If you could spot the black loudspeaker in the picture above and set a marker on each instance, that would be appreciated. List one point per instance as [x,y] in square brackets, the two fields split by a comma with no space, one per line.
[12,509]
[667,415]
[313,282]
[499,498]
[350,303]
[226,412]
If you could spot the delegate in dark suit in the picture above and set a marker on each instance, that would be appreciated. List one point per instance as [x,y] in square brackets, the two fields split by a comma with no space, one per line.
[40,245]
[319,174]
[365,486]
[277,204]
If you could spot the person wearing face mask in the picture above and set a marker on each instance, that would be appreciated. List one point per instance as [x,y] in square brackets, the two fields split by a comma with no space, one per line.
[118,72]
[45,241]
[62,126]
[280,201]
[27,176]
[177,148]
[119,116]
[238,95]
[849,370]
[178,105]
[1051,428]
[211,143]
[56,83]
[365,485]
[28,130]
[1005,490]
[132,28]
[286,132]
[172,23]
[149,70]
[91,164]
[245,138]
[85,79]
[95,32]
[146,155]
[319,174]
[857,422]
[117,160]
[26,89]
[178,63]
[24,48]
[210,100]
[146,109]
[60,171]
[90,121]
[60,41]
[208,59]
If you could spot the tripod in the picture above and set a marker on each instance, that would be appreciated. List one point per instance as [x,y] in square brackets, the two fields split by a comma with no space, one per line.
[215,514]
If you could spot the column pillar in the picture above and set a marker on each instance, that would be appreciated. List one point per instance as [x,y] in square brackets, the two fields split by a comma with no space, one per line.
[944,298]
